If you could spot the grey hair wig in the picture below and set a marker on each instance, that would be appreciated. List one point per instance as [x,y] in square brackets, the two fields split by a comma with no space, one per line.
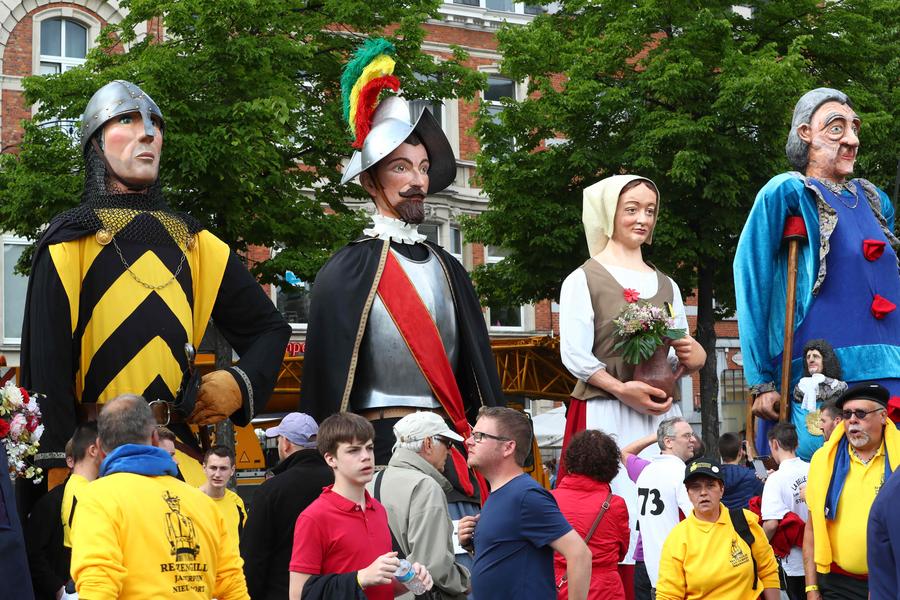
[796,149]
[666,429]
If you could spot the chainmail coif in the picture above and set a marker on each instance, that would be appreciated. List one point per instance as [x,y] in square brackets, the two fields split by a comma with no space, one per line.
[138,216]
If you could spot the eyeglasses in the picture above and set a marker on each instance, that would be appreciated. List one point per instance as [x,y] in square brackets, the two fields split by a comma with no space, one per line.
[859,413]
[478,436]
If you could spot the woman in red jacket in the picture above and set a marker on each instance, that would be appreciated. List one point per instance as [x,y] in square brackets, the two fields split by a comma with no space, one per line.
[592,460]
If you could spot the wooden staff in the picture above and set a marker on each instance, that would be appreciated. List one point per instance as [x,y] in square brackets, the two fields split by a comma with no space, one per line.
[794,233]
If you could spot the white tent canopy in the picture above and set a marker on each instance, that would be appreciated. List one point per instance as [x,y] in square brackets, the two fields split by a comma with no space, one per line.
[549,427]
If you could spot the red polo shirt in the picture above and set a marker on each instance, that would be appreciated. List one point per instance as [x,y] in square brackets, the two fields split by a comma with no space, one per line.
[333,535]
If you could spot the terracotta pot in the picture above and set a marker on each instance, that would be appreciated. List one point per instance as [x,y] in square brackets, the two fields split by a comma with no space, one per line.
[657,371]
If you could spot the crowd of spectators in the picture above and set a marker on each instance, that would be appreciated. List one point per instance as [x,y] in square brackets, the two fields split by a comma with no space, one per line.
[328,524]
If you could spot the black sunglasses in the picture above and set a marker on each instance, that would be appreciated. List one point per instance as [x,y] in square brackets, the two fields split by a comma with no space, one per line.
[860,413]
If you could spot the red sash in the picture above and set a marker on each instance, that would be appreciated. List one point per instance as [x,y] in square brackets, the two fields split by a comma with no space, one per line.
[417,327]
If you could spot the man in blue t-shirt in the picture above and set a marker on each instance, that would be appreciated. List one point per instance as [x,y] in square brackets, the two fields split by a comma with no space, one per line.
[520,525]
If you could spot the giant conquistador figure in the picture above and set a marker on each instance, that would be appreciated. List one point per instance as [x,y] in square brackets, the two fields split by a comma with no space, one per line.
[121,283]
[395,325]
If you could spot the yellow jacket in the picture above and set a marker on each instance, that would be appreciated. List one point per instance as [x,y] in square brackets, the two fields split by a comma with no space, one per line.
[138,537]
[711,561]
[820,469]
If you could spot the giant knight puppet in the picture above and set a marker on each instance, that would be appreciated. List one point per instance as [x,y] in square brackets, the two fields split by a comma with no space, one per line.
[121,283]
[395,326]
[848,285]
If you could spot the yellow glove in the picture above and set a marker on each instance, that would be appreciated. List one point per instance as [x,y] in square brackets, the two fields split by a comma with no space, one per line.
[219,396]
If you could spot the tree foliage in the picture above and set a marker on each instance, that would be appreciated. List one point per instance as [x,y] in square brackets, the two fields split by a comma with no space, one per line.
[694,95]
[691,94]
[250,92]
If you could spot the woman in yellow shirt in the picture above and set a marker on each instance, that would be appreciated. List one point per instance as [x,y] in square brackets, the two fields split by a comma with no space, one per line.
[705,557]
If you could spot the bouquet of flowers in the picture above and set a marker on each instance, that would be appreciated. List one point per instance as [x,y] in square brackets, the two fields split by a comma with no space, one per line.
[643,327]
[20,430]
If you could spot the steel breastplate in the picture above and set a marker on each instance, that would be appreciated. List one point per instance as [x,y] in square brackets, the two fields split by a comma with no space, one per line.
[387,375]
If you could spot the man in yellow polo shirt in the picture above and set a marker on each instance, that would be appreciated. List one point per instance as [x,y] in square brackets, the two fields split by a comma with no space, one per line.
[218,464]
[845,475]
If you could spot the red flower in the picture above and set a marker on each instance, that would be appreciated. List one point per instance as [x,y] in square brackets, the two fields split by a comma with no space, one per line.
[31,423]
[873,249]
[25,398]
[631,295]
[4,428]
[881,306]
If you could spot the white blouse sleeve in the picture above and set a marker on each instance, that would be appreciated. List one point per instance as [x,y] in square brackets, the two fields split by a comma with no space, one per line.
[576,327]
[681,321]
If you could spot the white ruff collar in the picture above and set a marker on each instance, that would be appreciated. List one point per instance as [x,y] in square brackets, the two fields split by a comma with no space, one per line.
[388,228]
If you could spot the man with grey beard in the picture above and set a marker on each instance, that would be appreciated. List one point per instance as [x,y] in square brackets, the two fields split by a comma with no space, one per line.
[844,478]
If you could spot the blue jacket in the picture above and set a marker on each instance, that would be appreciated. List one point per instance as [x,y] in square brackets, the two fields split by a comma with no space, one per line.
[883,543]
[741,484]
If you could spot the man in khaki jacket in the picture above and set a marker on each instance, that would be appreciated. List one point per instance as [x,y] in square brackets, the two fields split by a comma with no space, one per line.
[412,490]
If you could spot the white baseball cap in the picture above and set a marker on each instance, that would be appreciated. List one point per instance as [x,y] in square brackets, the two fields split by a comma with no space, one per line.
[421,425]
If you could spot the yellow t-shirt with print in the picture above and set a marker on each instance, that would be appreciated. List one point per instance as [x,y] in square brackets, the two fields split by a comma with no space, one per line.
[847,532]
[710,561]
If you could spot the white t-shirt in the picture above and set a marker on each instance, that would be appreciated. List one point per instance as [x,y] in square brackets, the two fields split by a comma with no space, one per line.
[781,495]
[662,503]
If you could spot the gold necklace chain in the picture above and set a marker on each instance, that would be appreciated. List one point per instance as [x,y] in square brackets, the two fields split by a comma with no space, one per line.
[134,275]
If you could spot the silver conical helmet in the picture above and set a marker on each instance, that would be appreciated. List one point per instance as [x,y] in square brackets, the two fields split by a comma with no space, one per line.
[113,99]
[391,125]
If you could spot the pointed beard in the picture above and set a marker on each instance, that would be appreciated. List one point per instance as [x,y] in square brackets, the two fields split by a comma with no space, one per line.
[411,210]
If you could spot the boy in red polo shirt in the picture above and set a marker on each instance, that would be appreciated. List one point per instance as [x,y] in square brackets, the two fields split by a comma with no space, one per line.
[341,541]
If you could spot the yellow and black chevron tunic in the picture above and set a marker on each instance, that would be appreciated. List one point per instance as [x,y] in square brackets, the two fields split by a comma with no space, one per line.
[109,315]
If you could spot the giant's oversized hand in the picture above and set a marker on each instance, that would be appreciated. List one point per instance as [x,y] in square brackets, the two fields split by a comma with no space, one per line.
[219,396]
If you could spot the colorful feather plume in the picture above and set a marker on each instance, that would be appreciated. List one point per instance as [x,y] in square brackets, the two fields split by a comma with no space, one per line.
[369,72]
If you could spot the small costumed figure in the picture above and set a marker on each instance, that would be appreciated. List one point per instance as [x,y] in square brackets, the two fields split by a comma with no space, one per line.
[821,384]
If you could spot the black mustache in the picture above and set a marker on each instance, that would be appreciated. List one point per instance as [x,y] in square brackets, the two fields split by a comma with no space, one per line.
[413,191]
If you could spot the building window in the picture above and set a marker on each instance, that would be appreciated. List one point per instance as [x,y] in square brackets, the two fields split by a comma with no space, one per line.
[498,88]
[734,387]
[455,246]
[431,232]
[64,45]
[510,6]
[502,318]
[14,287]
[292,298]
[416,106]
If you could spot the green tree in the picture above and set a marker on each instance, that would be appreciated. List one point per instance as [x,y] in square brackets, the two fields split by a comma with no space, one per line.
[254,136]
[691,94]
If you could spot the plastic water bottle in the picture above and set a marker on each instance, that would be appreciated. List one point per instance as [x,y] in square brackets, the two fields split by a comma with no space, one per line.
[405,575]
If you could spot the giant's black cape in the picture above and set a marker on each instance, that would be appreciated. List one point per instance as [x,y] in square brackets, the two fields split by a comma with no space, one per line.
[338,300]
